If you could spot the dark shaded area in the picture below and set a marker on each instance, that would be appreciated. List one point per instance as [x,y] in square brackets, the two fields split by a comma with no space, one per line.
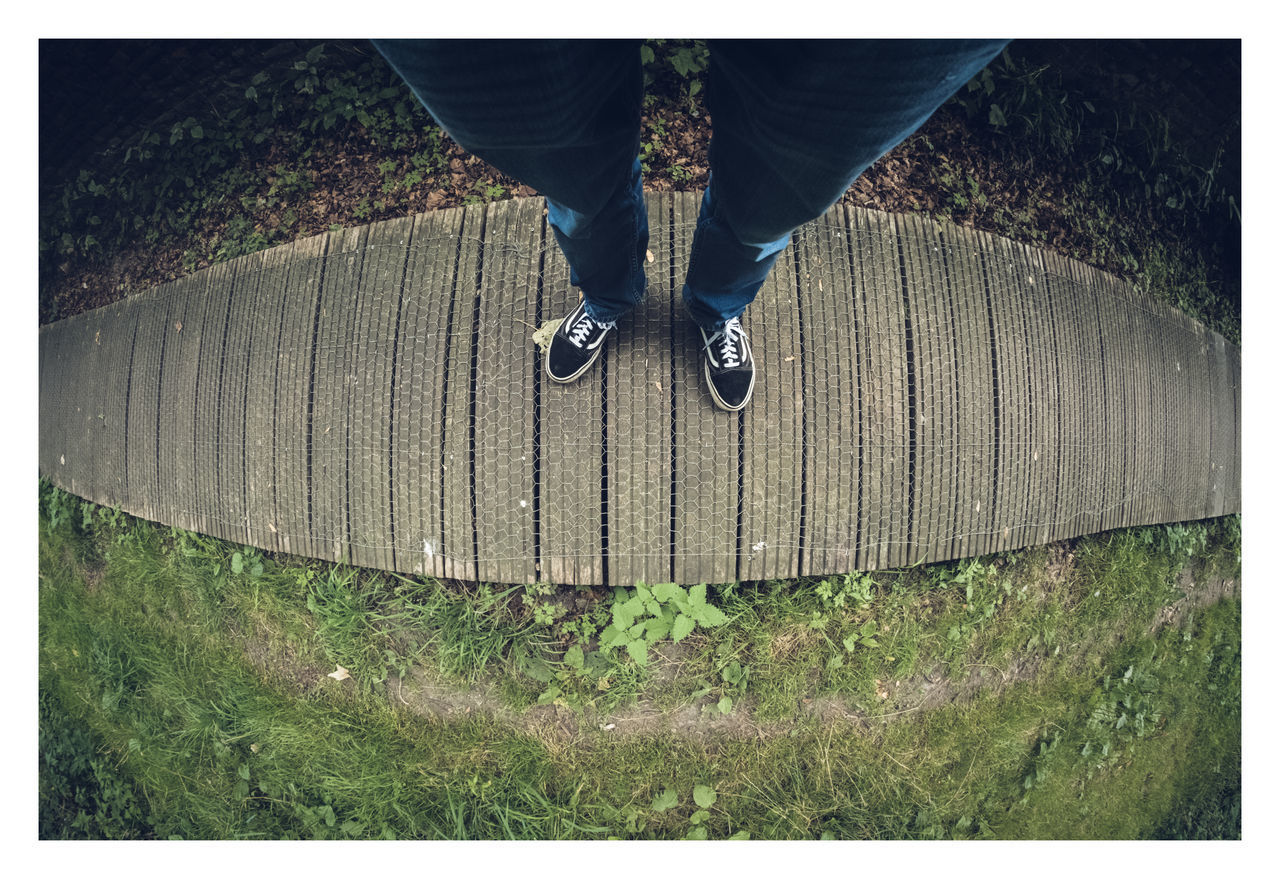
[95,94]
[1173,103]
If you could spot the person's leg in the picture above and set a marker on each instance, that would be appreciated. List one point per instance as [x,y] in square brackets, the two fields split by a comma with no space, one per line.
[796,122]
[562,116]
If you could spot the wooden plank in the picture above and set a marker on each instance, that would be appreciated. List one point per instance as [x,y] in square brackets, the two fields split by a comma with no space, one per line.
[829,395]
[296,355]
[118,340]
[1014,396]
[1000,418]
[571,441]
[1233,495]
[59,420]
[506,368]
[1221,437]
[1147,432]
[141,490]
[208,420]
[419,391]
[1066,347]
[978,402]
[1162,368]
[1093,398]
[369,447]
[266,272]
[1154,416]
[1114,456]
[638,442]
[706,448]
[1045,457]
[176,418]
[458,541]
[1175,336]
[974,396]
[936,359]
[331,408]
[773,448]
[886,426]
[1198,420]
[233,455]
[92,385]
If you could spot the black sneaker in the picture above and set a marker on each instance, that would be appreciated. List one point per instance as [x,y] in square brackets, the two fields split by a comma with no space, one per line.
[728,366]
[576,344]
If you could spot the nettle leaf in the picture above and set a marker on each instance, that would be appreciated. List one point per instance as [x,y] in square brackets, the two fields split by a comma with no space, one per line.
[639,651]
[665,592]
[698,595]
[665,800]
[682,626]
[612,636]
[711,616]
[657,628]
[704,796]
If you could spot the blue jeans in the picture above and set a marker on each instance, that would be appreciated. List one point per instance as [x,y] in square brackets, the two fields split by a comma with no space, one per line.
[796,122]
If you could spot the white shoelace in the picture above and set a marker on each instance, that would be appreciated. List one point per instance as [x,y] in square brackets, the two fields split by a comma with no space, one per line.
[580,330]
[728,339]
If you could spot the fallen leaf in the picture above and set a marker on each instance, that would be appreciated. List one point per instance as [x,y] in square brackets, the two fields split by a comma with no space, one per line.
[542,335]
[177,325]
[273,528]
[340,675]
[788,359]
[648,255]
[97,337]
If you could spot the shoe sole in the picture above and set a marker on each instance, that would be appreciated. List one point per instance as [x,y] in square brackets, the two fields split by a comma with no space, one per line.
[546,365]
[706,373]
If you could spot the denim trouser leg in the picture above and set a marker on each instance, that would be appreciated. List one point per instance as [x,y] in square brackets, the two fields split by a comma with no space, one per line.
[562,116]
[796,122]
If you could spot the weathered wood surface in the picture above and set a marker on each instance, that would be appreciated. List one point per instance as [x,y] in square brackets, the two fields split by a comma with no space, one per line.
[373,395]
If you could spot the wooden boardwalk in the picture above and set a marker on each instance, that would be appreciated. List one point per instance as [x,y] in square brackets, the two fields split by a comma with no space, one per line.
[374,395]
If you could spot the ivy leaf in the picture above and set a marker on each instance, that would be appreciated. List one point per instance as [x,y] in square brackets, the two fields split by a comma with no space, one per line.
[681,627]
[704,796]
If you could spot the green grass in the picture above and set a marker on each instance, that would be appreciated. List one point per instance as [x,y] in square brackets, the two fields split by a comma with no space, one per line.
[184,693]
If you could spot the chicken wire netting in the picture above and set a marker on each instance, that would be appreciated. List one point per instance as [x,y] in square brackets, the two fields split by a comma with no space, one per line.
[376,395]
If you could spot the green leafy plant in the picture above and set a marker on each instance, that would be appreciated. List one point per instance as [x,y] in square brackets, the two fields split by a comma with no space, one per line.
[646,615]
